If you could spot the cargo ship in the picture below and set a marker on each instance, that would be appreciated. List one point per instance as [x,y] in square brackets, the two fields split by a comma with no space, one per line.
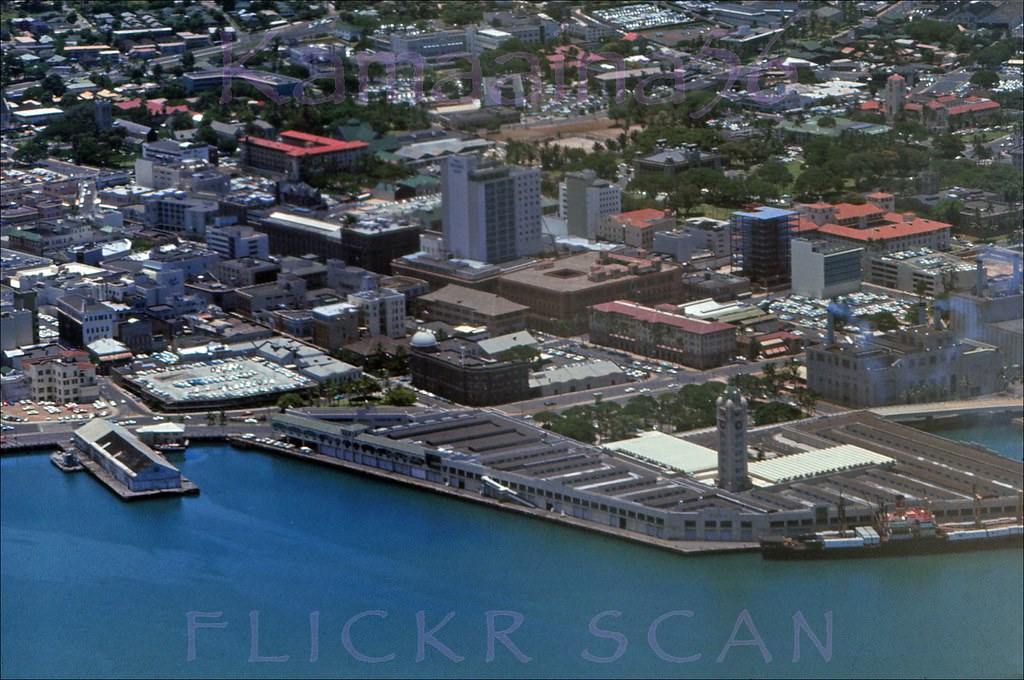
[905,531]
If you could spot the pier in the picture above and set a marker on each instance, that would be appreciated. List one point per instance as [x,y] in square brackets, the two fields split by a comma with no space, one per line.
[689,548]
[120,490]
[947,409]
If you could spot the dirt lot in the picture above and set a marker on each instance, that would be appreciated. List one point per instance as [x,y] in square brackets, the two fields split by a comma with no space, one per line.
[598,130]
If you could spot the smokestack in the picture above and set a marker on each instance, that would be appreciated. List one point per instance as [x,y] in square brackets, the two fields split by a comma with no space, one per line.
[980,286]
[830,329]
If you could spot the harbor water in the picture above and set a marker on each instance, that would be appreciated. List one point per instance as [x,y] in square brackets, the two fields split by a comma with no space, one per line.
[283,569]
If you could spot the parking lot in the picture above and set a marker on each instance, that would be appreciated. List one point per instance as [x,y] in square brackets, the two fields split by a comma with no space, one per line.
[562,351]
[812,313]
[217,380]
[29,411]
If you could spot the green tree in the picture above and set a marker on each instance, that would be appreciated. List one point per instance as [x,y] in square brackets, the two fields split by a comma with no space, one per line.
[399,396]
[288,400]
[985,78]
[947,145]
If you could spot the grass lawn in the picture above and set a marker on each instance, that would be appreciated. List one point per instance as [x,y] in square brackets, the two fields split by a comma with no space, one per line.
[713,211]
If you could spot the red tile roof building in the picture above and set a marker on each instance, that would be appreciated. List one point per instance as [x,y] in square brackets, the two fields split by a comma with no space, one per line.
[635,228]
[662,334]
[876,228]
[298,154]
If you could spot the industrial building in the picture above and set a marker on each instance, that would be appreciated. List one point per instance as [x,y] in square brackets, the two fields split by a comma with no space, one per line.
[576,376]
[123,456]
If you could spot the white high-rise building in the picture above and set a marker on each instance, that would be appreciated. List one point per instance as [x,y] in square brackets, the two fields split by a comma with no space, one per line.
[584,201]
[732,441]
[490,213]
[382,311]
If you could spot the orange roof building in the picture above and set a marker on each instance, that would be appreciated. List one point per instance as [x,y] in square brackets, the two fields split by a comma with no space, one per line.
[296,154]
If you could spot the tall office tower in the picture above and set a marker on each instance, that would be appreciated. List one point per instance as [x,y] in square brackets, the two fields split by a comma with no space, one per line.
[490,212]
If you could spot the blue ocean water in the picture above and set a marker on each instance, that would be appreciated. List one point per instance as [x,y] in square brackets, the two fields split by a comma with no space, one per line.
[292,570]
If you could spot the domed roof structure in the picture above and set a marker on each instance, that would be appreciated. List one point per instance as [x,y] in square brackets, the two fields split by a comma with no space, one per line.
[423,339]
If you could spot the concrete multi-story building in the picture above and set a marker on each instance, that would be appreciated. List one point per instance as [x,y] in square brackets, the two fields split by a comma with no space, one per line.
[174,212]
[169,151]
[81,320]
[762,244]
[824,270]
[247,271]
[382,311]
[922,271]
[369,247]
[193,176]
[50,238]
[712,235]
[298,154]
[584,200]
[662,334]
[217,78]
[455,370]
[234,242]
[679,244]
[559,292]
[431,45]
[457,305]
[490,213]
[636,228]
[335,325]
[16,328]
[287,292]
[917,364]
[992,315]
[68,378]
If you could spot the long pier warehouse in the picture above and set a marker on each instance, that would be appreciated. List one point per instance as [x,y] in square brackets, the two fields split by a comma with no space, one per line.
[873,462]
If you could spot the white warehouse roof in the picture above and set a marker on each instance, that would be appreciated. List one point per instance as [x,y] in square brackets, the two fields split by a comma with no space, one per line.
[811,463]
